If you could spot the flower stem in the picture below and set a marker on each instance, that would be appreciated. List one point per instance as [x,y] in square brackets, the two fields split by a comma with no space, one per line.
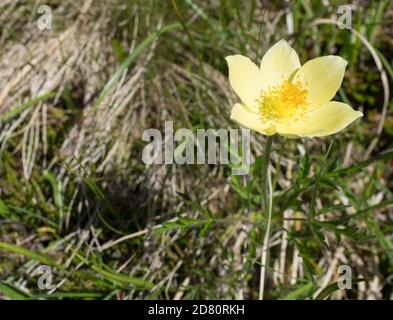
[265,166]
[267,210]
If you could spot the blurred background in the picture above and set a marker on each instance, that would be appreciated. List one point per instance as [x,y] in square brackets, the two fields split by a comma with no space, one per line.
[80,81]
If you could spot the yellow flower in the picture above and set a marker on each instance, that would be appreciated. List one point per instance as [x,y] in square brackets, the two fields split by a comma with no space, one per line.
[289,99]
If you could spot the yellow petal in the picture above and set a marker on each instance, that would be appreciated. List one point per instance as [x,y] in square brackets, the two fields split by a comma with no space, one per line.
[322,77]
[245,79]
[327,119]
[250,120]
[279,62]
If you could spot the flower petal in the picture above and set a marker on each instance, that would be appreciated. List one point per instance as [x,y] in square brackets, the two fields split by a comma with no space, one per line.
[322,77]
[327,119]
[278,63]
[250,120]
[245,79]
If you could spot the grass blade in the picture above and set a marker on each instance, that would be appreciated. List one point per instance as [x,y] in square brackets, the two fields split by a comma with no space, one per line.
[19,109]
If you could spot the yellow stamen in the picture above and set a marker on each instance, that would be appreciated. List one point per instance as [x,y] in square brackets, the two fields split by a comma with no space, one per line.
[285,101]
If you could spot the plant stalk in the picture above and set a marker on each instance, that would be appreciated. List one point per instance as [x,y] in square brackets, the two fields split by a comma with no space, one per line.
[267,202]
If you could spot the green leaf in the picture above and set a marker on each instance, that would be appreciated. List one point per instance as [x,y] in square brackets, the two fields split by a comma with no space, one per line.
[305,166]
[236,185]
[119,50]
[182,223]
[123,278]
[119,278]
[29,254]
[257,166]
[14,111]
[71,295]
[356,167]
[196,204]
[299,291]
[4,211]
[130,59]
[11,292]
[333,287]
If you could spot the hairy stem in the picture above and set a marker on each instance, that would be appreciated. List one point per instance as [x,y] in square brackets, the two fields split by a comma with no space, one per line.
[267,210]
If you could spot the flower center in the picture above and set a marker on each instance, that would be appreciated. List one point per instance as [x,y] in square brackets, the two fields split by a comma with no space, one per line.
[285,101]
